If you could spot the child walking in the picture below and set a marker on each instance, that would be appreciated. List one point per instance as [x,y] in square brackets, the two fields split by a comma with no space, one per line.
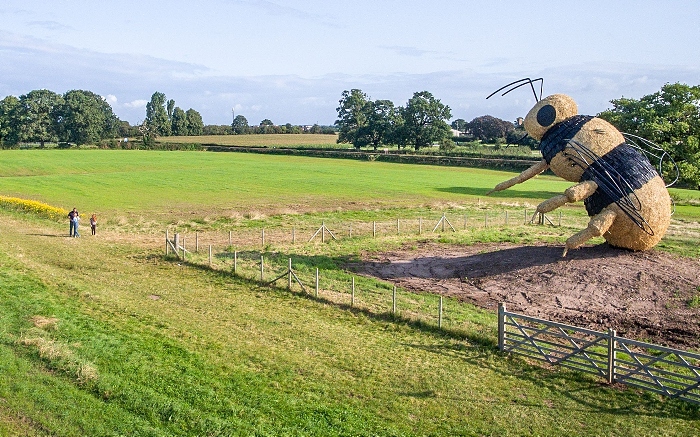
[76,222]
[93,223]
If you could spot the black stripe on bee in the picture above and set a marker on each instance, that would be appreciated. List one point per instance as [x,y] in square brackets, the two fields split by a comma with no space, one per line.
[619,173]
[557,137]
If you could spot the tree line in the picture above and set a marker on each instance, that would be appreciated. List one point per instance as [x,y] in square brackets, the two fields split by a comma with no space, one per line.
[42,116]
[83,117]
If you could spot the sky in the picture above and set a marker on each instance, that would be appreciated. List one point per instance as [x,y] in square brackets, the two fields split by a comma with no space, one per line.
[290,61]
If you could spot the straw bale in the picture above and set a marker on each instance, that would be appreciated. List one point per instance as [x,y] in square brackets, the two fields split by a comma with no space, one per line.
[564,105]
[656,209]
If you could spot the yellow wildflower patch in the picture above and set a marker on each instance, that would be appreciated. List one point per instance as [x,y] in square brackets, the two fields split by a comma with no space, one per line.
[32,207]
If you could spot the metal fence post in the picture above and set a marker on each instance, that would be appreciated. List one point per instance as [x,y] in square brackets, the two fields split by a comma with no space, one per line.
[501,326]
[612,355]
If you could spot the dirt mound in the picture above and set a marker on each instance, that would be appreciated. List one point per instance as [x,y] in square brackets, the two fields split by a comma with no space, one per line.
[649,296]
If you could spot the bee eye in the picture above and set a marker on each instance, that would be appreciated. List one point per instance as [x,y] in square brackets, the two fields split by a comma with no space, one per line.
[546,115]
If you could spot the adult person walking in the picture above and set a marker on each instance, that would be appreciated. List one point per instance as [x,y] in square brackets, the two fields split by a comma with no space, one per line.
[71,216]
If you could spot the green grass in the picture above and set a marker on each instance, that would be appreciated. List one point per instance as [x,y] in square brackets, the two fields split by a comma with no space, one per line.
[103,336]
[264,140]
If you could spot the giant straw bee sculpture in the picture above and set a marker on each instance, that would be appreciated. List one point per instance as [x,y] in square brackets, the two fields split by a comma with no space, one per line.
[622,191]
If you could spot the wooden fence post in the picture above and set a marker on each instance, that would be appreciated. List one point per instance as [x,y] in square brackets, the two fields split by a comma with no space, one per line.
[167,239]
[196,242]
[235,261]
[263,237]
[398,226]
[420,225]
[352,293]
[289,275]
[229,238]
[440,313]
[393,300]
[374,229]
[210,255]
[485,219]
[316,281]
[506,218]
[294,235]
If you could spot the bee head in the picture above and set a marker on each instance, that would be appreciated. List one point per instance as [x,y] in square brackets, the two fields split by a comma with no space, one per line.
[548,112]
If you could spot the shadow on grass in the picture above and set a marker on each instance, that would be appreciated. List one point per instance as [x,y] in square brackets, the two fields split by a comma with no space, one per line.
[331,263]
[480,349]
[586,390]
[481,192]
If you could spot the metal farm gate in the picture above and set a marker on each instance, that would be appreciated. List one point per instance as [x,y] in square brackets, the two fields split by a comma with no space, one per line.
[670,372]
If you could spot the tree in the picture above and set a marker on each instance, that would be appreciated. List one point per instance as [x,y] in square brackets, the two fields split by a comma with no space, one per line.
[157,122]
[669,118]
[380,121]
[8,128]
[195,125]
[424,120]
[179,122]
[489,129]
[352,115]
[85,118]
[460,125]
[34,117]
[240,125]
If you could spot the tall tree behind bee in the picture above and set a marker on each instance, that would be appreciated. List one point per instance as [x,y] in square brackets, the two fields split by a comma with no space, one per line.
[671,119]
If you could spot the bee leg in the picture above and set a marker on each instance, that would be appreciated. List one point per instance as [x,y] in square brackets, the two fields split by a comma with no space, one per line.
[597,226]
[572,194]
[522,177]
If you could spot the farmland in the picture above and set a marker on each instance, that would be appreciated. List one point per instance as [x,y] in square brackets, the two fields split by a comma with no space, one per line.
[104,336]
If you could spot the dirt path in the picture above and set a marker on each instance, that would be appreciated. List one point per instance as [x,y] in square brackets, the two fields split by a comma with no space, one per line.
[649,296]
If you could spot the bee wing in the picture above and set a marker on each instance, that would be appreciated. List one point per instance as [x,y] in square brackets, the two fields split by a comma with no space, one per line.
[610,182]
[656,155]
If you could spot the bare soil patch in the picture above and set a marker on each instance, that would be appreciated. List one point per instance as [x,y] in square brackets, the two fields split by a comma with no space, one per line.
[650,296]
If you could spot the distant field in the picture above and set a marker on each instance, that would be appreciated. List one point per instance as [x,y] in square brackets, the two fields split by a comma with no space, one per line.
[170,185]
[269,140]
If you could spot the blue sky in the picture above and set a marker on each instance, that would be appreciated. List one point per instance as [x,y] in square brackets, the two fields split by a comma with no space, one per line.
[289,61]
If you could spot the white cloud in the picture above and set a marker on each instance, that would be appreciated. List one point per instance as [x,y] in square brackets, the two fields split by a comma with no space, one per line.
[136,104]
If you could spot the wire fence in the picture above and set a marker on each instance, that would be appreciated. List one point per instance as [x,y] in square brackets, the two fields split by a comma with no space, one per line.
[334,230]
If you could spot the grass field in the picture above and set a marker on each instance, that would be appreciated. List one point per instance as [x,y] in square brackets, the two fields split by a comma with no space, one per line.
[268,140]
[103,336]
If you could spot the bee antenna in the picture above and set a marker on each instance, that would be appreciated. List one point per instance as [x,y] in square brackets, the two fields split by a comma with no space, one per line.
[521,82]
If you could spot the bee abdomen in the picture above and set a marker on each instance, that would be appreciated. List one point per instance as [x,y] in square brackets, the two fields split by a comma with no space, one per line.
[618,174]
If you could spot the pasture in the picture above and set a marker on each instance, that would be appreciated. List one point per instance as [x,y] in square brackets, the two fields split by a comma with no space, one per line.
[104,336]
[261,140]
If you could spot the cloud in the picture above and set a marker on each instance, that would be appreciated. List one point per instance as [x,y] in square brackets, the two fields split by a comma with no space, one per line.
[136,104]
[48,25]
[32,63]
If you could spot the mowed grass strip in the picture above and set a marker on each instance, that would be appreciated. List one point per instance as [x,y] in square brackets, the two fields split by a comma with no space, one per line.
[179,350]
[261,140]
